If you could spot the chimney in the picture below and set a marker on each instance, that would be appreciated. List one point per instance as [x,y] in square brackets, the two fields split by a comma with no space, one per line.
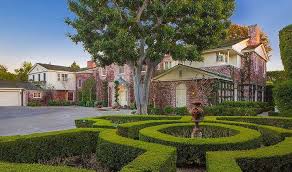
[91,64]
[254,33]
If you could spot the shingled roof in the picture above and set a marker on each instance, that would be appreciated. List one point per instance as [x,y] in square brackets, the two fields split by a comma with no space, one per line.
[18,84]
[55,67]
[229,43]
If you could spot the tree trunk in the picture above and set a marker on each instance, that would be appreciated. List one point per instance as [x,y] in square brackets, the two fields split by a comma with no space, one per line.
[142,87]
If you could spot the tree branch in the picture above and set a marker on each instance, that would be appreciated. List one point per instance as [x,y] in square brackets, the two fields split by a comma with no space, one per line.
[141,9]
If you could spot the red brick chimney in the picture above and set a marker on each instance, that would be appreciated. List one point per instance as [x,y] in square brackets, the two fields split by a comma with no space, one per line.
[91,64]
[254,33]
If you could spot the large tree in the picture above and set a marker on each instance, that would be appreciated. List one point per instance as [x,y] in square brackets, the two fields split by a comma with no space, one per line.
[75,67]
[5,74]
[236,31]
[141,32]
[22,72]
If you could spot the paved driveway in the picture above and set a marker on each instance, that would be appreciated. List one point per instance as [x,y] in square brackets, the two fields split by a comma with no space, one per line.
[25,120]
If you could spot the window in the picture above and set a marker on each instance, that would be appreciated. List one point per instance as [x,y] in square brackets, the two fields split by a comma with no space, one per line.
[220,57]
[45,77]
[37,95]
[70,96]
[121,69]
[79,83]
[59,77]
[64,77]
[33,77]
[39,77]
[167,65]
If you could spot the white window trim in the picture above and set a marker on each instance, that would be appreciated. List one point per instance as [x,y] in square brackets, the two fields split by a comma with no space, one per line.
[37,97]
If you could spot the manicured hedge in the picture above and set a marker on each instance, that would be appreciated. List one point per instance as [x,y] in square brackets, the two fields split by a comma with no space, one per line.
[128,155]
[272,158]
[17,167]
[193,150]
[220,110]
[113,121]
[237,108]
[282,122]
[46,146]
[285,37]
[282,94]
[131,130]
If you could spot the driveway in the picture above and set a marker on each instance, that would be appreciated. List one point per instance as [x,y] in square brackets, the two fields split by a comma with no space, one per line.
[26,120]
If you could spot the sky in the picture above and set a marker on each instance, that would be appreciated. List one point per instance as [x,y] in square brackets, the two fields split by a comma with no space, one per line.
[34,30]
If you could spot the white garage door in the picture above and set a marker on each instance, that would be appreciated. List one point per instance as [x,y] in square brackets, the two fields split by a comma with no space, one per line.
[10,98]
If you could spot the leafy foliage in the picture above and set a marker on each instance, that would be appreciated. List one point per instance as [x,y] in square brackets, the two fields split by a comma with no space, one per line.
[141,32]
[276,76]
[285,37]
[282,94]
[116,92]
[22,72]
[75,67]
[5,75]
[237,31]
[87,95]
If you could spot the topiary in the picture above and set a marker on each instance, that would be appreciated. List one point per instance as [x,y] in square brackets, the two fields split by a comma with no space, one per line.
[282,94]
[285,37]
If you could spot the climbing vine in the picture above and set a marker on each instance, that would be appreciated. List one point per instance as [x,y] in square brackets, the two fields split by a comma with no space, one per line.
[117,92]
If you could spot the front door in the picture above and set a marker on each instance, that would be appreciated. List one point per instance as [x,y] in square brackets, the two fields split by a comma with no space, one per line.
[181,95]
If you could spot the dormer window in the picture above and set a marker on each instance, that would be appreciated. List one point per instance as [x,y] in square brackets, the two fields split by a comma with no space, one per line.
[167,65]
[220,57]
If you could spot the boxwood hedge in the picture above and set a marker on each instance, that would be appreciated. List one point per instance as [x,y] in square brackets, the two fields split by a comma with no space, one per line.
[17,167]
[193,150]
[41,147]
[128,155]
[272,158]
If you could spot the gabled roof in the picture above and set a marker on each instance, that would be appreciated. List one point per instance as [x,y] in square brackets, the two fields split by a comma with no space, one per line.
[229,43]
[18,84]
[207,72]
[251,47]
[55,67]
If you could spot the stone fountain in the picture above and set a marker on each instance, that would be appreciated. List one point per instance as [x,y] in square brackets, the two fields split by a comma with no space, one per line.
[197,116]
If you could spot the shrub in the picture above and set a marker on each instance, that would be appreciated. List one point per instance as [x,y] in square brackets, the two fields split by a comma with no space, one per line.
[59,103]
[245,104]
[220,110]
[283,97]
[134,155]
[34,103]
[271,158]
[180,111]
[169,110]
[285,37]
[190,151]
[45,146]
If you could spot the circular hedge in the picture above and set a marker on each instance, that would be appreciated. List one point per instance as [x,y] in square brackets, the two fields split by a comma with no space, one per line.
[190,151]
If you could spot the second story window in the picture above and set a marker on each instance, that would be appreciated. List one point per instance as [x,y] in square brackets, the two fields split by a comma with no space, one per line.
[59,77]
[220,57]
[79,83]
[39,77]
[33,77]
[167,65]
[45,77]
[64,77]
[121,69]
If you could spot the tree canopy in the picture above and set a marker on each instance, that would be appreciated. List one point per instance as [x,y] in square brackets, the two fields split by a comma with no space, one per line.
[22,72]
[141,32]
[5,74]
[236,31]
[75,67]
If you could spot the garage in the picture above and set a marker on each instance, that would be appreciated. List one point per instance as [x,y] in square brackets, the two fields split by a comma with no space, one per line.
[11,97]
[15,93]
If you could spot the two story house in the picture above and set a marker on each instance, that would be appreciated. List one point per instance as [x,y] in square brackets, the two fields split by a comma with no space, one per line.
[58,82]
[235,70]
